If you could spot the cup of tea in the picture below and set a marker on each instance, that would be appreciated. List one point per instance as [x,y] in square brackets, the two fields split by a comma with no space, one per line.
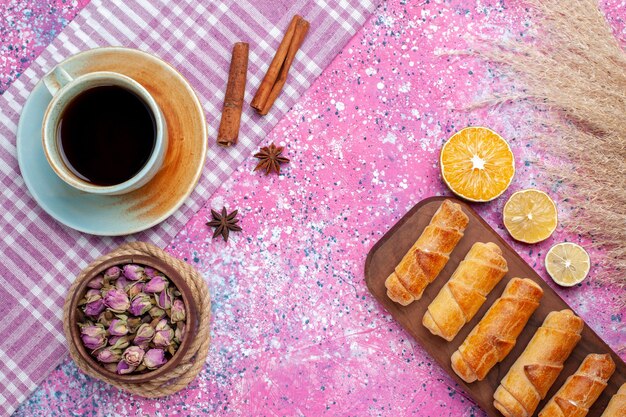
[103,133]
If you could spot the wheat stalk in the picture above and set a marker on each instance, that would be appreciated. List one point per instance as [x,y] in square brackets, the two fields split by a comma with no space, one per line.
[576,69]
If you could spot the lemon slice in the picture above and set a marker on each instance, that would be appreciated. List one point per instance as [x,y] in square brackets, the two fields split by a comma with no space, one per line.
[567,263]
[477,164]
[530,216]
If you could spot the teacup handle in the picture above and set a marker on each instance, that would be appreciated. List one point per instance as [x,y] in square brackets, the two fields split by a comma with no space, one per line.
[56,79]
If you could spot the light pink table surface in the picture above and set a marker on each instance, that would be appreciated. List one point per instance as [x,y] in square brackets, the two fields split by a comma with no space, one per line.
[295,331]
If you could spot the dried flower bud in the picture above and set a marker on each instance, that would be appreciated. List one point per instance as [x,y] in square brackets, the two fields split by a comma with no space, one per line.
[164,299]
[84,323]
[118,326]
[141,304]
[109,355]
[154,322]
[156,284]
[154,358]
[163,338]
[94,308]
[124,368]
[90,296]
[164,334]
[144,335]
[93,336]
[119,342]
[116,300]
[161,325]
[134,272]
[105,318]
[133,356]
[178,311]
[179,333]
[109,277]
[122,282]
[133,323]
[156,312]
[133,289]
[151,272]
[112,273]
[96,283]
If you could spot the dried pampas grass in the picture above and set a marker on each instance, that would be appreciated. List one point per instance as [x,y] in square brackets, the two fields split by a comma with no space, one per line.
[576,68]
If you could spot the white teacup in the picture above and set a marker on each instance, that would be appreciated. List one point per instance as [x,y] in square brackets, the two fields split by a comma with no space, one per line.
[64,89]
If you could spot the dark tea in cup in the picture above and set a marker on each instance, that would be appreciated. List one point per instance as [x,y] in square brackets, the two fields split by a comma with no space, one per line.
[106,134]
[102,133]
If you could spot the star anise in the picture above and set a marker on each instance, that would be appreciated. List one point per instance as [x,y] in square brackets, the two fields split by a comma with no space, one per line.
[270,159]
[224,223]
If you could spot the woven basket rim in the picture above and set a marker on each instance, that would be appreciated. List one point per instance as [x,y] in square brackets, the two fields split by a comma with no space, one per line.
[173,274]
[191,361]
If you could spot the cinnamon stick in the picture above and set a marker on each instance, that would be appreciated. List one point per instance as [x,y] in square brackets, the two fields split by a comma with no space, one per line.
[302,27]
[276,76]
[228,132]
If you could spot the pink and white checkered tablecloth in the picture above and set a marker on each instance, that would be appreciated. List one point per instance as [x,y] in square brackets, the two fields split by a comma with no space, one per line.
[41,257]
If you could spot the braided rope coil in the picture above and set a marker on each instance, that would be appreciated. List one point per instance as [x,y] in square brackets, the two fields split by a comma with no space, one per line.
[191,364]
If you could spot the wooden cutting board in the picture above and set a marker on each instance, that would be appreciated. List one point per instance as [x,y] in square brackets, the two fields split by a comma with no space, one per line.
[388,252]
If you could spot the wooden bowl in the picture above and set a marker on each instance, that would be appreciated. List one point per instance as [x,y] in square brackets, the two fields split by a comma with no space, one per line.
[191,310]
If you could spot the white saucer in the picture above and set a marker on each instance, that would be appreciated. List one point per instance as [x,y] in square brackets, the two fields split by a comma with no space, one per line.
[147,206]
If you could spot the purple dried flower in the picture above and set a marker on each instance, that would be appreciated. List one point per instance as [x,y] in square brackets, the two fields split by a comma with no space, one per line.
[156,312]
[163,338]
[141,304]
[151,272]
[105,318]
[118,326]
[133,355]
[124,368]
[178,310]
[116,300]
[94,308]
[133,323]
[156,284]
[121,283]
[164,299]
[144,335]
[96,282]
[112,273]
[179,333]
[134,272]
[109,355]
[154,358]
[161,325]
[119,342]
[164,334]
[90,295]
[133,289]
[93,336]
